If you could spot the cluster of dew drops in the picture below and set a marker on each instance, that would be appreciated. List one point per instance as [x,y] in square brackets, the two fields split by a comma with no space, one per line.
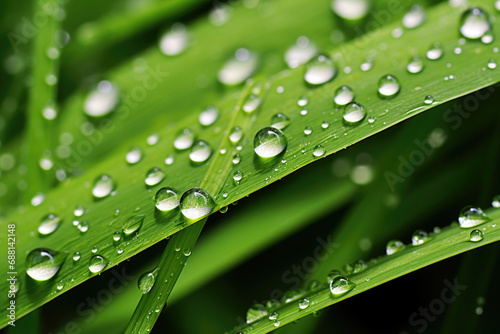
[43,264]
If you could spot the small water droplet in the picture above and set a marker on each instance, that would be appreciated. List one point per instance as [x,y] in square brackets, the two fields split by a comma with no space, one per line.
[428,99]
[184,139]
[351,9]
[103,186]
[76,256]
[366,65]
[343,95]
[304,112]
[435,52]
[319,70]
[102,100]
[256,312]
[414,18]
[166,199]
[60,285]
[153,139]
[174,41]
[319,151]
[147,281]
[83,226]
[38,199]
[49,224]
[340,286]
[304,303]
[154,176]
[95,249]
[300,53]
[354,113]
[42,263]
[325,125]
[252,102]
[496,199]
[302,101]
[134,155]
[235,135]
[238,68]
[117,236]
[169,159]
[236,159]
[472,216]
[196,203]
[280,121]
[474,23]
[208,116]
[492,64]
[97,263]
[200,152]
[308,130]
[416,65]
[476,236]
[237,176]
[394,246]
[388,86]
[419,237]
[132,225]
[269,142]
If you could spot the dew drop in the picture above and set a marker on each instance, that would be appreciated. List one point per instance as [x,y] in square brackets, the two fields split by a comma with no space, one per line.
[319,151]
[76,256]
[208,116]
[319,70]
[117,236]
[304,303]
[169,159]
[474,23]
[153,139]
[60,285]
[476,236]
[97,263]
[280,121]
[200,152]
[102,100]
[269,142]
[237,176]
[354,113]
[325,125]
[175,41]
[300,53]
[235,135]
[388,86]
[132,225]
[38,199]
[416,65]
[302,101]
[147,281]
[238,68]
[414,18]
[343,96]
[256,312]
[472,216]
[236,159]
[496,199]
[184,139]
[492,64]
[134,155]
[394,246]
[154,176]
[351,9]
[103,186]
[340,286]
[42,263]
[49,224]
[83,226]
[419,237]
[166,199]
[252,102]
[428,99]
[196,203]
[435,52]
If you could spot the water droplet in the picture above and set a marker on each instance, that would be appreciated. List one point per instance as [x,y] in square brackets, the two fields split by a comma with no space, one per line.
[175,41]
[351,9]
[308,130]
[476,235]
[102,100]
[252,102]
[304,303]
[341,285]
[496,199]
[153,139]
[147,281]
[83,226]
[343,95]
[95,249]
[280,121]
[388,86]
[237,176]
[304,112]
[223,209]
[169,159]
[236,159]
[132,225]
[435,52]
[200,152]
[49,224]
[394,246]
[354,113]
[76,256]
[154,176]
[472,216]
[117,236]
[429,99]
[419,237]
[302,101]
[196,203]
[366,65]
[238,68]
[300,53]
[119,250]
[269,142]
[166,199]
[273,316]
[208,116]
[103,186]
[38,199]
[414,18]
[319,151]
[60,285]
[325,125]
[184,140]
[43,264]
[416,65]
[97,263]
[492,64]
[319,70]
[134,155]
[256,312]
[49,112]
[332,275]
[235,135]
[474,23]
[487,38]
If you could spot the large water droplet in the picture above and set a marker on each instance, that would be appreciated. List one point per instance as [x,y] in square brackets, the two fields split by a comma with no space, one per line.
[134,155]
[256,312]
[354,113]
[102,100]
[474,23]
[280,121]
[394,246]
[97,263]
[166,199]
[414,18]
[147,281]
[208,116]
[154,176]
[304,303]
[175,41]
[300,53]
[351,9]
[319,151]
[43,263]
[341,285]
[132,225]
[196,203]
[184,139]
[269,142]
[388,86]
[200,152]
[239,68]
[103,186]
[49,224]
[319,70]
[472,216]
[343,95]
